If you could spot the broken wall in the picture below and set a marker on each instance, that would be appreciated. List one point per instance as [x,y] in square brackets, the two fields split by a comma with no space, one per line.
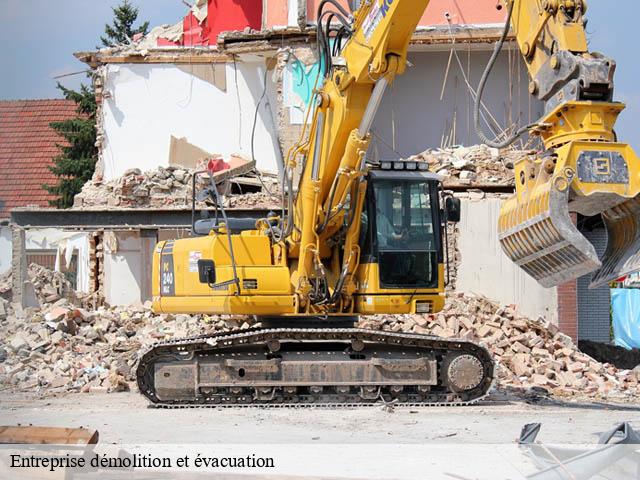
[210,106]
[486,270]
[63,244]
[431,106]
[128,258]
[5,249]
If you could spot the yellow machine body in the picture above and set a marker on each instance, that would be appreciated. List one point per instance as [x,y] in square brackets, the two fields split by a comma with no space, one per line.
[317,266]
[265,286]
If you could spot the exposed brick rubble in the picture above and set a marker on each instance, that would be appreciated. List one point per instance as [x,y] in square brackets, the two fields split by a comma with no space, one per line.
[473,166]
[61,347]
[529,353]
[49,287]
[165,187]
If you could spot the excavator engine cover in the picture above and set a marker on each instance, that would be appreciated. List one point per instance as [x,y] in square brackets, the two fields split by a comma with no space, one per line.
[537,226]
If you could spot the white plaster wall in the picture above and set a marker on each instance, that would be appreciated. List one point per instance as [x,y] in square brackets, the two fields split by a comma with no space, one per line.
[146,104]
[486,270]
[123,269]
[5,249]
[422,117]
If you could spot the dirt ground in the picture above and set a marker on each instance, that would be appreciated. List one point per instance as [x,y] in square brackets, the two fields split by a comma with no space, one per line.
[127,418]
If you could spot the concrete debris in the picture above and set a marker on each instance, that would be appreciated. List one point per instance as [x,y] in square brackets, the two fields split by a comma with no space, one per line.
[530,354]
[48,288]
[171,187]
[62,348]
[67,346]
[476,165]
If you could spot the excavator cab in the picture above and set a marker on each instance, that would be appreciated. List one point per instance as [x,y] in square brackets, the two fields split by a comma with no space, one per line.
[404,234]
[403,228]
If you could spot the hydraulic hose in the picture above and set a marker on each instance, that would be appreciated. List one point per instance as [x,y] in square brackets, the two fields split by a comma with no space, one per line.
[480,91]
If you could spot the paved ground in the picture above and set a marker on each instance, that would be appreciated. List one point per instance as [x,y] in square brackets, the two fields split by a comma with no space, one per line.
[125,418]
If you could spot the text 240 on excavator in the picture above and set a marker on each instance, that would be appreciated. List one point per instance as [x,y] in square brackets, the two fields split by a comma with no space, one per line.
[356,238]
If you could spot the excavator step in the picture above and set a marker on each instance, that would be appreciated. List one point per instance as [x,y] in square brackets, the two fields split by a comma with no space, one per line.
[314,366]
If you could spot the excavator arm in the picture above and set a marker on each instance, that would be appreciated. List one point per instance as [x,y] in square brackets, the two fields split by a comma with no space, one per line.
[583,169]
[333,168]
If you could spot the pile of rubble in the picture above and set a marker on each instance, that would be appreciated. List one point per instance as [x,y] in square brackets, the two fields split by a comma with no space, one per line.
[166,187]
[529,353]
[62,347]
[44,286]
[473,166]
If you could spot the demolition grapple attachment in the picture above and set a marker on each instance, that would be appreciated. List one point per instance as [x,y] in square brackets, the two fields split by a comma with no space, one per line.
[537,226]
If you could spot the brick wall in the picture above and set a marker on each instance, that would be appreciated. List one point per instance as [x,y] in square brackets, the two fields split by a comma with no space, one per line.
[568,309]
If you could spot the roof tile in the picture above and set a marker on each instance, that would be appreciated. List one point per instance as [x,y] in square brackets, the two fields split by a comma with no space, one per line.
[27,146]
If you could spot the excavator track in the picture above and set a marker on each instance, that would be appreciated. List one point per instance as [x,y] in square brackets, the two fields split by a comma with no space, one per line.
[303,367]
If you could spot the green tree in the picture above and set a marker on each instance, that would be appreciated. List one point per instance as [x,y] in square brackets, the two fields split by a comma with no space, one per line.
[77,160]
[122,30]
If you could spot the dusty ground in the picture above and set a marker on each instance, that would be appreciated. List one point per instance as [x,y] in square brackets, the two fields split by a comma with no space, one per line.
[126,418]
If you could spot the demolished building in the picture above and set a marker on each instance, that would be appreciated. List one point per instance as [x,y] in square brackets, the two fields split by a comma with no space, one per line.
[234,80]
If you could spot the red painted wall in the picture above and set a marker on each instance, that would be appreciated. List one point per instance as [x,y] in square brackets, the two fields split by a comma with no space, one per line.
[461,12]
[227,15]
[222,16]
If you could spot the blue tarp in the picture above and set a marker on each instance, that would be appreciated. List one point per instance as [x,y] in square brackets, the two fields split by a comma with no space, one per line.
[625,303]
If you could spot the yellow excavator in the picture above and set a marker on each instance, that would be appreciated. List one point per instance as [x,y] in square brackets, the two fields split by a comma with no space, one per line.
[356,238]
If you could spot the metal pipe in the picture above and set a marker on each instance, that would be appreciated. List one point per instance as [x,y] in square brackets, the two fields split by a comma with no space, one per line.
[372,107]
[317,147]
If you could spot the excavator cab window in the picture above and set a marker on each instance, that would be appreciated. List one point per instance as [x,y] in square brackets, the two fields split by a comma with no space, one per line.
[405,231]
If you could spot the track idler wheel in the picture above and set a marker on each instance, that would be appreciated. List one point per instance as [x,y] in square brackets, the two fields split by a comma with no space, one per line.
[463,372]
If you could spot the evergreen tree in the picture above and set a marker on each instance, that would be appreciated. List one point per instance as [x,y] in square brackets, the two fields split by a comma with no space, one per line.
[77,160]
[122,30]
[76,163]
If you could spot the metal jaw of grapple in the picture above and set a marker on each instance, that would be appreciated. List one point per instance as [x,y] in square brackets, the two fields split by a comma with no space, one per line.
[537,226]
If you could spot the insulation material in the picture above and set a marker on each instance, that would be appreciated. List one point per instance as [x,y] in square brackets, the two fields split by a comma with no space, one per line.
[200,10]
[170,33]
[146,104]
[625,305]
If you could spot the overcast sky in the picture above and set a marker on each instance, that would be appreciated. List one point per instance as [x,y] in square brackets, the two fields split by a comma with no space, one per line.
[38,38]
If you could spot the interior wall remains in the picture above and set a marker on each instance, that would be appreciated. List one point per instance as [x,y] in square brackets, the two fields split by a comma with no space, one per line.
[145,105]
[484,269]
[5,249]
[431,105]
[127,266]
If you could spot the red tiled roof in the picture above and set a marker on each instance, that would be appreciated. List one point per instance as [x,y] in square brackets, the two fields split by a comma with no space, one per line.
[27,147]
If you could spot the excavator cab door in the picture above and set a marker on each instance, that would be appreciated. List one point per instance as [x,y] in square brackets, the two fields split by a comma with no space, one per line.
[403,225]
